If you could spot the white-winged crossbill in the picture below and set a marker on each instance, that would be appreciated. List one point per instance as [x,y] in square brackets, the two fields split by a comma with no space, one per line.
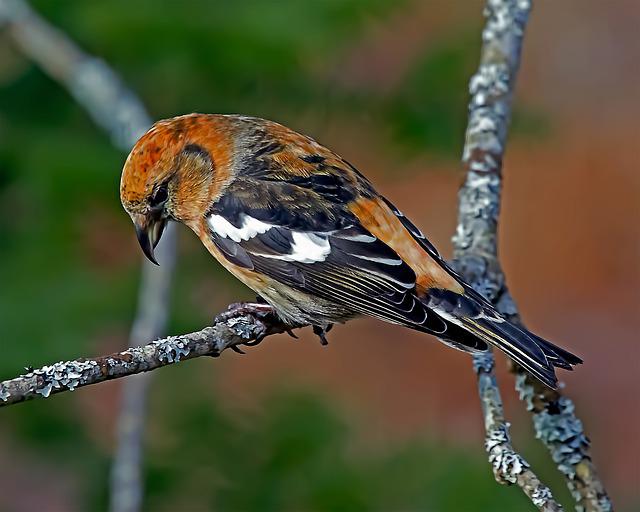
[305,230]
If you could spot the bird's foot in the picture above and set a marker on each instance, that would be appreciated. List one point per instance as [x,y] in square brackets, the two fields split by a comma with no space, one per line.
[264,314]
[321,333]
[238,309]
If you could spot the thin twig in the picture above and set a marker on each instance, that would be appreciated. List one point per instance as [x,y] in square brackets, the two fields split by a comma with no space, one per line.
[475,241]
[70,375]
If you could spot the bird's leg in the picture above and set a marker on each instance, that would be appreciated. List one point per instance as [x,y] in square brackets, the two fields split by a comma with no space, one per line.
[260,300]
[321,333]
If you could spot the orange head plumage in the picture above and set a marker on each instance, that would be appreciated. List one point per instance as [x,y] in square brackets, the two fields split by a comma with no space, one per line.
[173,171]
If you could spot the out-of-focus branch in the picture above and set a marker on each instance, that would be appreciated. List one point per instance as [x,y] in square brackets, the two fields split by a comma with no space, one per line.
[150,322]
[475,241]
[476,256]
[116,109]
[70,375]
[91,82]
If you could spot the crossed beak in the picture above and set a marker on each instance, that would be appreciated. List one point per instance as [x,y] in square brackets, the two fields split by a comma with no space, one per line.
[149,230]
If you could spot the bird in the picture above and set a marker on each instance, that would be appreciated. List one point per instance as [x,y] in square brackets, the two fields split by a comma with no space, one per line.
[309,233]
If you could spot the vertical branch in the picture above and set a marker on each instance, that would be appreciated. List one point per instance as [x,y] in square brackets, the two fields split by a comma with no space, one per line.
[557,426]
[116,109]
[475,241]
[150,322]
[476,256]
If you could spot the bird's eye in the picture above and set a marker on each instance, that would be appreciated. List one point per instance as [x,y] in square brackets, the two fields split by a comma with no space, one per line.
[160,196]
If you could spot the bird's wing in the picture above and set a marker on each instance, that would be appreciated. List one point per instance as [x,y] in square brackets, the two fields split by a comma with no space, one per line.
[338,261]
[292,221]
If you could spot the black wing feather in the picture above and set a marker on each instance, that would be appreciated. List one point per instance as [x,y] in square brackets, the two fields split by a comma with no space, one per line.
[234,252]
[361,272]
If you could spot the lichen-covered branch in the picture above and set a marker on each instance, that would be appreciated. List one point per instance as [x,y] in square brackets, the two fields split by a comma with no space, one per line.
[557,426]
[475,252]
[475,241]
[509,467]
[70,375]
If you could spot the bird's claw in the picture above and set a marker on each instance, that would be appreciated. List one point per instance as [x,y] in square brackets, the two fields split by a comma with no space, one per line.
[257,341]
[321,333]
[291,333]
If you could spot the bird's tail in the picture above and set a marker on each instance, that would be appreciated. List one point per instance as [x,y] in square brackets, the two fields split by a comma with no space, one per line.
[473,324]
[536,355]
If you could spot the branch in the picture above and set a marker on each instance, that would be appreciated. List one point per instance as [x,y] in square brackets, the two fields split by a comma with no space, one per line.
[475,241]
[476,257]
[557,426]
[70,375]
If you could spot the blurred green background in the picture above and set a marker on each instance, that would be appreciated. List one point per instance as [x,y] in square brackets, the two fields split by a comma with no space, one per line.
[291,426]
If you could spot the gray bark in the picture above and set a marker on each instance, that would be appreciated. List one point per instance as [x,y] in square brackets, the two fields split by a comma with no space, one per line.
[557,426]
[70,375]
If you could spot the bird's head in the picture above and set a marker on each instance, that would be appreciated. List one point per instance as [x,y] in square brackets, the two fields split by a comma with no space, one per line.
[172,173]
